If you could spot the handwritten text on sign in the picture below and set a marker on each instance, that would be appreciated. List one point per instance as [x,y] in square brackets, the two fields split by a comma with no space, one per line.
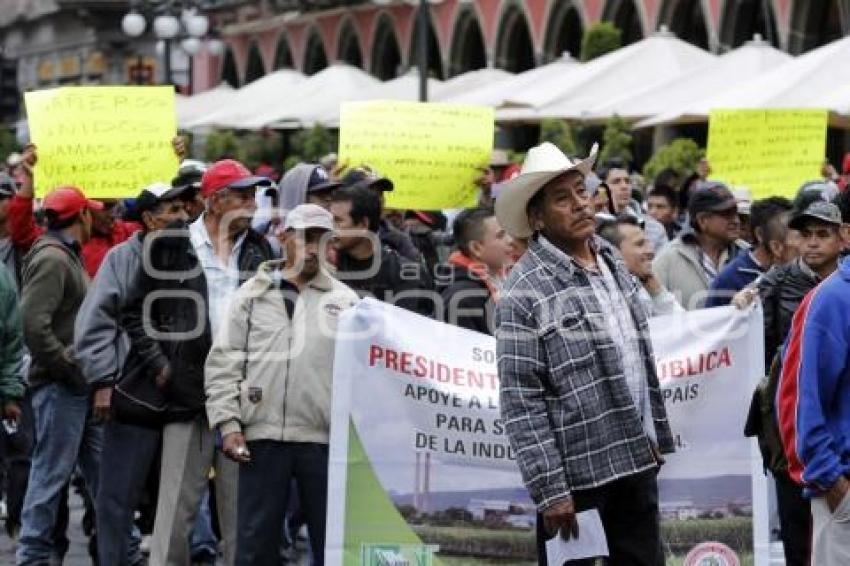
[771,152]
[109,141]
[431,152]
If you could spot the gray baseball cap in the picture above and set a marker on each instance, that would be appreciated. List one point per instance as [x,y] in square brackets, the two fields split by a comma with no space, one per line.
[306,216]
[818,210]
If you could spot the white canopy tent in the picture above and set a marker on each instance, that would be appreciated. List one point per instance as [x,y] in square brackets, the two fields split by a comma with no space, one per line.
[252,98]
[813,80]
[750,60]
[641,65]
[496,93]
[190,108]
[405,87]
[315,99]
[469,81]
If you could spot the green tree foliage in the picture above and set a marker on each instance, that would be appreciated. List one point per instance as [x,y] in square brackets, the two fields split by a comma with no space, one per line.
[261,147]
[8,143]
[599,39]
[221,144]
[559,133]
[681,155]
[311,145]
[251,148]
[616,141]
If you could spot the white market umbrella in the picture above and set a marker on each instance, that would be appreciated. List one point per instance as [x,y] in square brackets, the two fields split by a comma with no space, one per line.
[646,63]
[190,108]
[316,98]
[812,80]
[405,87]
[495,94]
[469,81]
[251,99]
[836,100]
[750,60]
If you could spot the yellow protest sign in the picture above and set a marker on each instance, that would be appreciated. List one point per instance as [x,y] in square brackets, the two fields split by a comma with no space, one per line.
[431,152]
[771,152]
[109,141]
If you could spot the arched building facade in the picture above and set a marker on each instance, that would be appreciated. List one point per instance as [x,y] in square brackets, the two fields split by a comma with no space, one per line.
[381,37]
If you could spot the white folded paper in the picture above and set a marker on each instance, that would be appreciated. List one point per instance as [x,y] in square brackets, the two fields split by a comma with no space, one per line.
[591,541]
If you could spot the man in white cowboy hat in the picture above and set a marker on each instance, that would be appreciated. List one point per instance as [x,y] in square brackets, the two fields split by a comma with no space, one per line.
[579,392]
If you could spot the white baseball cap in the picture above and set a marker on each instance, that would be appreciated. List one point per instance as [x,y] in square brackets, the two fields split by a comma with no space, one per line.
[306,216]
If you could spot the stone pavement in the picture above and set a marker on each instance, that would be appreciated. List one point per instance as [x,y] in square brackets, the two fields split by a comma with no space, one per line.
[77,554]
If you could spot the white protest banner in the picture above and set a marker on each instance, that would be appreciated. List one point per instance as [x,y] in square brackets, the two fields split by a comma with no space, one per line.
[422,472]
[712,489]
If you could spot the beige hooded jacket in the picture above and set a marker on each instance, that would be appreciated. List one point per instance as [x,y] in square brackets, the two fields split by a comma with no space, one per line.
[271,377]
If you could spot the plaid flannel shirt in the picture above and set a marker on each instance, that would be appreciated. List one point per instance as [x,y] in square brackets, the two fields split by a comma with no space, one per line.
[565,400]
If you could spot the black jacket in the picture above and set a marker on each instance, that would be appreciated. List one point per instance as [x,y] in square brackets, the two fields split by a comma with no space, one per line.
[466,300]
[397,240]
[179,317]
[782,290]
[394,275]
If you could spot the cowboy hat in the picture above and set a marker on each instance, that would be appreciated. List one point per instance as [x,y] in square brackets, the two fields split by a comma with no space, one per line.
[543,163]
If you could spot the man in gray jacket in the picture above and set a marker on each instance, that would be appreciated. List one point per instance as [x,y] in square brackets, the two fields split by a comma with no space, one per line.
[689,264]
[268,381]
[129,449]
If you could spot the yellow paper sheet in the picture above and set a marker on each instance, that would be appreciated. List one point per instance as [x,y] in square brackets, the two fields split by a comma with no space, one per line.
[109,141]
[431,152]
[770,152]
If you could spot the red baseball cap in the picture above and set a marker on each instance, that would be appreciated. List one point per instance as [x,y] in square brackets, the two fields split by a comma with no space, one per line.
[66,202]
[229,174]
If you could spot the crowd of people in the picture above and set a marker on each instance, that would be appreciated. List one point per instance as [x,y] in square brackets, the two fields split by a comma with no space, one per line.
[171,355]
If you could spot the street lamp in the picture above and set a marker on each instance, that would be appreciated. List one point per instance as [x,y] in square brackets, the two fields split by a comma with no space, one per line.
[423,18]
[167,28]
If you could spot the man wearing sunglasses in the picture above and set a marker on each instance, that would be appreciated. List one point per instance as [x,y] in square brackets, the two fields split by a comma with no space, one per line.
[185,285]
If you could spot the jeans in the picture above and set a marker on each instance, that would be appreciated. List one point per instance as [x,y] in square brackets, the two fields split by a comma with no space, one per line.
[64,436]
[129,451]
[203,542]
[264,490]
[630,516]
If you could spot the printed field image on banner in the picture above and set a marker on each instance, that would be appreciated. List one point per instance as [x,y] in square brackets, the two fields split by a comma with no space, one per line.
[712,489]
[422,471]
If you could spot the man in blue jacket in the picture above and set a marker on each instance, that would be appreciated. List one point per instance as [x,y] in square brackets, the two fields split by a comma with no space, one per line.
[813,404]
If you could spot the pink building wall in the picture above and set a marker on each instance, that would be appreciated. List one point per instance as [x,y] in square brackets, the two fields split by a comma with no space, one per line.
[269,29]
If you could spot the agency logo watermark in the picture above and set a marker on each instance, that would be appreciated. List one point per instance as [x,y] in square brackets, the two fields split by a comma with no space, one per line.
[398,554]
[712,554]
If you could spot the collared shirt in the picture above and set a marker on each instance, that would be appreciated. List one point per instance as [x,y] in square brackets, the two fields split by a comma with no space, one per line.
[565,400]
[621,328]
[222,280]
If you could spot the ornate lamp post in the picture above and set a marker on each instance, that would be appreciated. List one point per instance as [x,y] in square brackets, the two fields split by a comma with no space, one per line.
[188,29]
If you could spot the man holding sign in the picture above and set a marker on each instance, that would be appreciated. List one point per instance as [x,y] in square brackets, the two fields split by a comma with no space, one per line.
[579,393]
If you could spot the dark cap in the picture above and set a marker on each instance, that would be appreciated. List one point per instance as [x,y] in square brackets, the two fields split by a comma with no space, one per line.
[819,210]
[153,195]
[367,177]
[320,180]
[711,196]
[189,175]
